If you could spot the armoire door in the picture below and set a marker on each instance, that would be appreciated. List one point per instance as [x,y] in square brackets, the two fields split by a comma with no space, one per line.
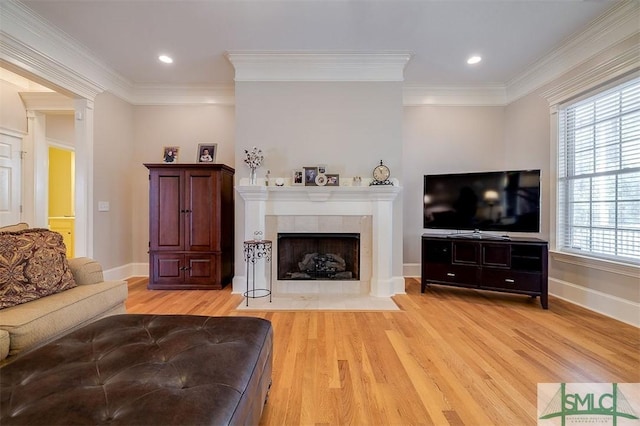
[166,213]
[201,217]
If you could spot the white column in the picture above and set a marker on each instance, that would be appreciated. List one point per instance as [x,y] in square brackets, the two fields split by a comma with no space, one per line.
[255,204]
[382,262]
[36,172]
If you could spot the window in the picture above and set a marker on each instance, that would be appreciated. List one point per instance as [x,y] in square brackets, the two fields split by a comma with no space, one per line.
[599,175]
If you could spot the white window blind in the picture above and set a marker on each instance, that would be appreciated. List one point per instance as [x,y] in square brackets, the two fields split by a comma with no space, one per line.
[599,175]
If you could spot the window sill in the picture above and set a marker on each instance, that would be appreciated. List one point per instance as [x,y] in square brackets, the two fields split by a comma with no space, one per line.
[594,263]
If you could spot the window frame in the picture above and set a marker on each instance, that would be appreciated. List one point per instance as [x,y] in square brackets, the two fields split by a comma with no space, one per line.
[562,217]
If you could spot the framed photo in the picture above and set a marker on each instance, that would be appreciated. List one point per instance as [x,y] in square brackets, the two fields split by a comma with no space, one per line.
[207,152]
[170,154]
[333,180]
[322,169]
[298,177]
[310,174]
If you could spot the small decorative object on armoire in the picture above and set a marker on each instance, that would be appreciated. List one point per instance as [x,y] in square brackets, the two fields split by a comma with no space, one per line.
[253,159]
[191,222]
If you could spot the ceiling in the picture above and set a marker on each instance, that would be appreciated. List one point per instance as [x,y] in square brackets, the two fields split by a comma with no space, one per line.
[510,35]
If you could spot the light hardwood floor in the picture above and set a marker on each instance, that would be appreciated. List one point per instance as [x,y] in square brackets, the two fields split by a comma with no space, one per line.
[449,356]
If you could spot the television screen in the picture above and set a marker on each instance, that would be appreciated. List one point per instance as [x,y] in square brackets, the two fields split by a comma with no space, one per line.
[503,201]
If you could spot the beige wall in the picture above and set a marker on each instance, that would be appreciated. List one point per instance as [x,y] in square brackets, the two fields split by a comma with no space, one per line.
[154,127]
[12,113]
[440,139]
[112,181]
[527,145]
[60,128]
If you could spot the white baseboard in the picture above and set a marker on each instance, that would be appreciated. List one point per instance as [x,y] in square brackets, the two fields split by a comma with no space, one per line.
[611,306]
[127,271]
[412,270]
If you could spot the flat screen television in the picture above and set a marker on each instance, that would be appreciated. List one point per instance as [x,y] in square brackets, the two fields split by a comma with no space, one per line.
[500,201]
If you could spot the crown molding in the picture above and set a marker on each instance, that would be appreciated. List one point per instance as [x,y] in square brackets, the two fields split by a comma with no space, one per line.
[32,44]
[491,95]
[626,63]
[318,66]
[619,23]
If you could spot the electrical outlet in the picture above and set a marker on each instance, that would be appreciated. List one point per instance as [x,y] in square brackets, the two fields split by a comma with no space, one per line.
[103,206]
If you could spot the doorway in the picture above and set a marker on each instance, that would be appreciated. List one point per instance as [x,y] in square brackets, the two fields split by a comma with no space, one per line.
[61,176]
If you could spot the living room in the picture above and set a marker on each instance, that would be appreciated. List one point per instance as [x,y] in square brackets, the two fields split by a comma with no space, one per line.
[513,120]
[414,130]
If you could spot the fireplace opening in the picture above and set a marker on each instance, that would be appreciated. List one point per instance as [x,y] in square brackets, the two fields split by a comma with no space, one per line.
[319,256]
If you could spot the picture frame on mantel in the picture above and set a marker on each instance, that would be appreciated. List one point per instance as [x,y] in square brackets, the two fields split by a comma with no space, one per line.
[170,154]
[310,174]
[333,179]
[297,177]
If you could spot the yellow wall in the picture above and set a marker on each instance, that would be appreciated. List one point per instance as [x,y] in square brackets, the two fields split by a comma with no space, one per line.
[61,195]
[61,171]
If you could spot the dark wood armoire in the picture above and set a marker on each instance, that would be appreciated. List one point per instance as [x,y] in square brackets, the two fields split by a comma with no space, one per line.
[191,222]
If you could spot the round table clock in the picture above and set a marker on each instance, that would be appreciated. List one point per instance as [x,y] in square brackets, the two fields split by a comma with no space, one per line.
[381,174]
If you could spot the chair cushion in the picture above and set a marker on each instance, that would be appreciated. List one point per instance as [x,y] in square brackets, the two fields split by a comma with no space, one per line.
[33,264]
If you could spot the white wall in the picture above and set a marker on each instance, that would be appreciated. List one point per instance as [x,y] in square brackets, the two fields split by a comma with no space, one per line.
[349,127]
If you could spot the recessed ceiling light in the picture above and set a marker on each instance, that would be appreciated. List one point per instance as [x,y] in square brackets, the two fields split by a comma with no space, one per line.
[166,59]
[474,60]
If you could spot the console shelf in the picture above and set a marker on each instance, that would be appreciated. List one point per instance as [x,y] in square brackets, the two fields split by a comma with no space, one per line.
[516,265]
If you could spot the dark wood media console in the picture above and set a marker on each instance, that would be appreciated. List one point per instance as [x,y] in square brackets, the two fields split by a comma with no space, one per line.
[516,265]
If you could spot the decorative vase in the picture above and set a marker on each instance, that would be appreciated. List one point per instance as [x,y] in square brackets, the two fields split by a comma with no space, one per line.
[253,179]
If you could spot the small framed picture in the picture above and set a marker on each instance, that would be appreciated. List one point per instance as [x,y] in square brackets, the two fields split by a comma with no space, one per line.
[170,154]
[310,174]
[207,152]
[298,177]
[333,180]
[322,169]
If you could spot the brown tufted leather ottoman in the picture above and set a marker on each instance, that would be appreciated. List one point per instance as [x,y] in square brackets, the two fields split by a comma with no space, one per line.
[144,370]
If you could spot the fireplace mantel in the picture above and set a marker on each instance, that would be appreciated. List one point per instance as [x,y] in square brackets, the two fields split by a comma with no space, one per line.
[318,193]
[374,201]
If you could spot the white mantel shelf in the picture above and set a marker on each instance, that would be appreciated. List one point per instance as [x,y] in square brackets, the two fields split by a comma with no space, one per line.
[374,201]
[318,193]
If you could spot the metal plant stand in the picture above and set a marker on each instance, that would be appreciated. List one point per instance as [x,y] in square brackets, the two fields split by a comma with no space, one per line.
[254,250]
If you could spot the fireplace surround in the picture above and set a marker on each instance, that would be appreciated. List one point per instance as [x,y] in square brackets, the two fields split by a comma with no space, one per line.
[344,209]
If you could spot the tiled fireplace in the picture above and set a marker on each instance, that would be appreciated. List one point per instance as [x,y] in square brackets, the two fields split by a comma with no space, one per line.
[363,211]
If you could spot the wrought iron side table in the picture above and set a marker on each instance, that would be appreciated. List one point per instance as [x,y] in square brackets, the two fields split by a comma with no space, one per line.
[254,250]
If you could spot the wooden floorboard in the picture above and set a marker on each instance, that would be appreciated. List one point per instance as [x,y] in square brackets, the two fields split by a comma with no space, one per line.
[449,356]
